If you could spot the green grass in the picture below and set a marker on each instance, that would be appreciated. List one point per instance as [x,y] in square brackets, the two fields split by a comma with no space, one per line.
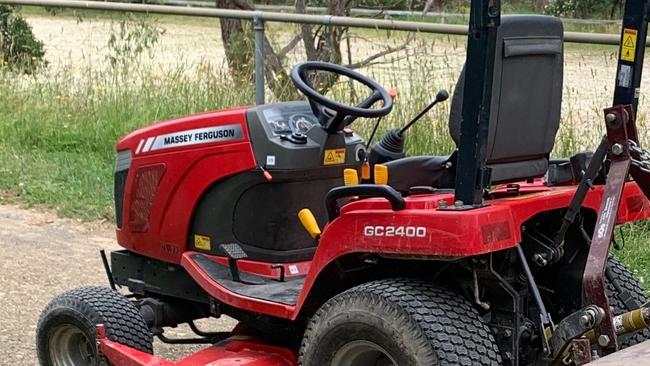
[59,130]
[635,252]
[58,133]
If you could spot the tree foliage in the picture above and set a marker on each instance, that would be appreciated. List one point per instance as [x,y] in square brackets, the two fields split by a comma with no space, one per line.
[580,8]
[19,48]
[565,8]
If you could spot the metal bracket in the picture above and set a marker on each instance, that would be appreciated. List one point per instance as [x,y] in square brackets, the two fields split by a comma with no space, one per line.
[472,175]
[617,119]
[572,327]
[260,44]
[580,351]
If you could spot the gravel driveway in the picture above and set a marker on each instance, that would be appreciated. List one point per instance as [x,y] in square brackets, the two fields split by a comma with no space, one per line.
[42,256]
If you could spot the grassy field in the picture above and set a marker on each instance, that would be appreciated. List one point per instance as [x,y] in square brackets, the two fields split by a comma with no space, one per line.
[58,127]
[58,135]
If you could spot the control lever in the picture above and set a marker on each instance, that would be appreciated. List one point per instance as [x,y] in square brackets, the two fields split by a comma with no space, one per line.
[440,97]
[391,145]
[365,166]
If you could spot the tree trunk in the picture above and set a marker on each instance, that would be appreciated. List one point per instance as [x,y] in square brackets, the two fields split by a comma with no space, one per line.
[540,5]
[239,45]
[321,43]
[324,44]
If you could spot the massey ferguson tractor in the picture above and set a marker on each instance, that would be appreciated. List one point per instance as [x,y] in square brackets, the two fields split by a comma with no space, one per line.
[328,251]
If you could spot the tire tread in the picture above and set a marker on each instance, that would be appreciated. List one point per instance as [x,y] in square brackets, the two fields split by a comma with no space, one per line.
[101,305]
[443,321]
[629,282]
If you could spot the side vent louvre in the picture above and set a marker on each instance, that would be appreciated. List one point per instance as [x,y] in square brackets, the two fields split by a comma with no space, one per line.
[122,164]
[145,186]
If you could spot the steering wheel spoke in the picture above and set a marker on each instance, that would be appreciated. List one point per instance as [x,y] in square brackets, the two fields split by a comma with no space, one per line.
[342,114]
[316,108]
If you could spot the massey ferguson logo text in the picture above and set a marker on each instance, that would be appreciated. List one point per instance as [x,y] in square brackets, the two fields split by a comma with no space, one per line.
[202,136]
[191,137]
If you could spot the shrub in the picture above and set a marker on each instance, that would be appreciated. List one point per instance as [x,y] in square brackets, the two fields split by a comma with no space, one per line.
[19,48]
[578,8]
[134,35]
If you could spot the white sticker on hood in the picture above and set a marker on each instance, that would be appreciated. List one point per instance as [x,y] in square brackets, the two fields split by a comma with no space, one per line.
[194,137]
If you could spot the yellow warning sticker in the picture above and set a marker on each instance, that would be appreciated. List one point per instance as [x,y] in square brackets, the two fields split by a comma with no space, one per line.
[334,156]
[202,242]
[628,47]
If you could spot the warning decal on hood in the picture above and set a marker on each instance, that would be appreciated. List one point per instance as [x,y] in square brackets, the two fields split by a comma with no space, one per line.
[191,137]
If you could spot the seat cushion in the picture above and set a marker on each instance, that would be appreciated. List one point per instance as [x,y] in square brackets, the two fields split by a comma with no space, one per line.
[432,171]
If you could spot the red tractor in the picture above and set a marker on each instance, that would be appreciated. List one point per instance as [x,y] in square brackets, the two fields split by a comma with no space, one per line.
[495,254]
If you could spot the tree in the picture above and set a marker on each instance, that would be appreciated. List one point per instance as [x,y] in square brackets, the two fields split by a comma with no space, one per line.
[321,43]
[238,43]
[19,48]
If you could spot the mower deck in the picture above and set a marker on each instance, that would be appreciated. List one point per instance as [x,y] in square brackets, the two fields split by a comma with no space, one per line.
[234,351]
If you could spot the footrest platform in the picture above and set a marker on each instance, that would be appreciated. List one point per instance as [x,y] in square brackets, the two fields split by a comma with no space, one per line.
[254,286]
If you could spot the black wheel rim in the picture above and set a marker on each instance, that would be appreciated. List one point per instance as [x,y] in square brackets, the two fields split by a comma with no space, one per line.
[69,346]
[362,353]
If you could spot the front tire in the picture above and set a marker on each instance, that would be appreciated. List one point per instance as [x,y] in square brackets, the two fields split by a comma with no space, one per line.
[395,322]
[66,331]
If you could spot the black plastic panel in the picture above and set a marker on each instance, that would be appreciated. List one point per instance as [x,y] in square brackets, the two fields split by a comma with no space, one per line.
[268,289]
[145,276]
[262,217]
[266,215]
[120,183]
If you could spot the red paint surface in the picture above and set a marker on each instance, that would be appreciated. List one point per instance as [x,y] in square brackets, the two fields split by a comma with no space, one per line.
[191,170]
[233,352]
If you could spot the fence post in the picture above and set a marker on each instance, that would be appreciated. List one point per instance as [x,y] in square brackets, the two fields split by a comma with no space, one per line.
[258,27]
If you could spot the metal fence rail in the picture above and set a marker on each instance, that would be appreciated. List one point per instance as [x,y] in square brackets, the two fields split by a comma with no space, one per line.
[259,17]
[371,12]
[575,37]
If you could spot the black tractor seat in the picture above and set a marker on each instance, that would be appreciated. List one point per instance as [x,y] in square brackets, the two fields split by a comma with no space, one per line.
[525,109]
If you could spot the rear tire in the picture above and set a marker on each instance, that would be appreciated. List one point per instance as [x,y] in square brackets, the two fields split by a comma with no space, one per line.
[397,322]
[628,282]
[66,331]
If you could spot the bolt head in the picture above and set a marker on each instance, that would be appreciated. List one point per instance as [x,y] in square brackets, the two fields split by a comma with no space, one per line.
[617,149]
[540,259]
[459,203]
[586,320]
[603,340]
[610,117]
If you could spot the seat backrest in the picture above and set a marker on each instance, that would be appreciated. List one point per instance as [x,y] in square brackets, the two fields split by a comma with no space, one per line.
[526,97]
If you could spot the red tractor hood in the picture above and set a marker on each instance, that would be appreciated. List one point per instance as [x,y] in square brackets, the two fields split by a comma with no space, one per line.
[191,131]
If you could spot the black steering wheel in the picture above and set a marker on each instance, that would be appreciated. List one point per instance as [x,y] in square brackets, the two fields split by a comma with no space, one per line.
[332,115]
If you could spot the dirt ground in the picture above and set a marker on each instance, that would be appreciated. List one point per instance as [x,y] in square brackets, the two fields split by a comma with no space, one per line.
[42,256]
